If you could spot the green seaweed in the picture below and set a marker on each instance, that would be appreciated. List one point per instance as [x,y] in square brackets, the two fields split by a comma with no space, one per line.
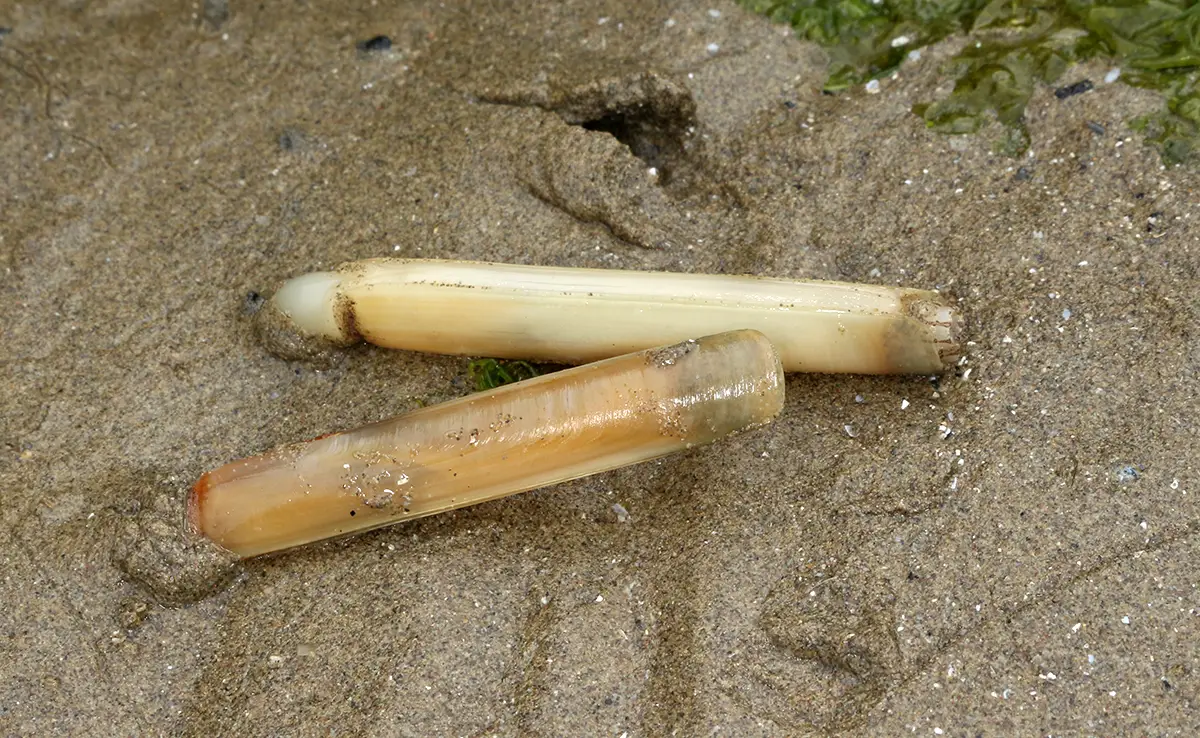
[1013,46]
[488,374]
[1175,131]
[859,34]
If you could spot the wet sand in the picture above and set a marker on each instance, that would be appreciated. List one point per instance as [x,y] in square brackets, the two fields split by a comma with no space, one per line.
[1010,549]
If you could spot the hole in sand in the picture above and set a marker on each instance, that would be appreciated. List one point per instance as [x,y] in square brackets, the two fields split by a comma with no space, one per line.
[649,113]
[654,141]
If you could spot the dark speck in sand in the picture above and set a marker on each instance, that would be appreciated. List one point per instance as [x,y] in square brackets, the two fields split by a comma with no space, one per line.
[1096,128]
[375,43]
[1080,87]
[1022,174]
[254,301]
[216,12]
[291,139]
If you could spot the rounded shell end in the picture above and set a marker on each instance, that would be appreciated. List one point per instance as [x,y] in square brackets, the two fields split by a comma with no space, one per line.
[735,382]
[307,318]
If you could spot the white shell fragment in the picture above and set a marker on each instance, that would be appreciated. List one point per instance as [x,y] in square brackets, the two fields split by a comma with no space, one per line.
[574,316]
[530,434]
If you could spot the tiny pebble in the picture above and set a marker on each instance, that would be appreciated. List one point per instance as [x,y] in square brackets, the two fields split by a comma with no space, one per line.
[873,86]
[1113,75]
[713,48]
[1127,474]
[1125,620]
[904,404]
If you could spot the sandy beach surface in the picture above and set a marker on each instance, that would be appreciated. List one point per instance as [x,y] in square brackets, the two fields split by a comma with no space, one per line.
[1010,549]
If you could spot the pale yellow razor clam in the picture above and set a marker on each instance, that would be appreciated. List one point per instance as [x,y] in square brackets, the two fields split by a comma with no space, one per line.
[519,437]
[573,316]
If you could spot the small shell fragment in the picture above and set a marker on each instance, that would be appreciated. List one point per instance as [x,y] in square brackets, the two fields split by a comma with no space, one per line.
[573,316]
[530,434]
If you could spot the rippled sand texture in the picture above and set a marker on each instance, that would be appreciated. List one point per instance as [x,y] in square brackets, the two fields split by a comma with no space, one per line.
[1010,550]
